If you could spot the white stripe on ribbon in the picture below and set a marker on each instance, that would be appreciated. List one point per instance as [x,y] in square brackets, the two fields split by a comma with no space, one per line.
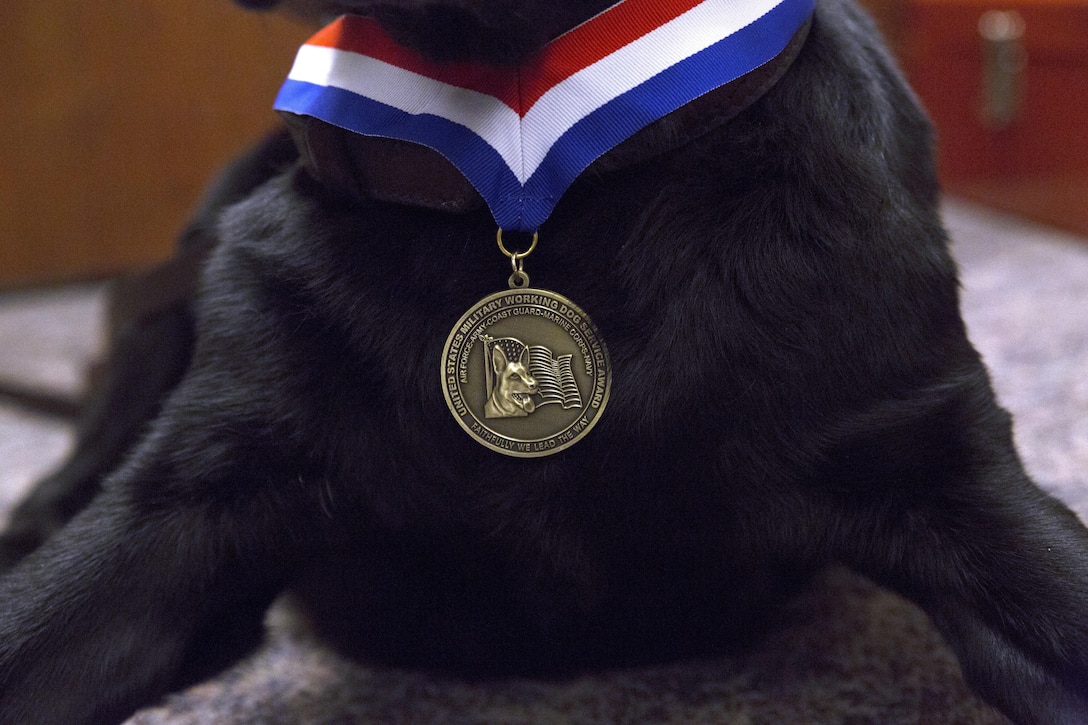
[577,96]
[485,115]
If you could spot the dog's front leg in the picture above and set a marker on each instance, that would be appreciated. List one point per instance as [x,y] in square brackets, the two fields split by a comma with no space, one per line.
[952,521]
[1017,613]
[186,546]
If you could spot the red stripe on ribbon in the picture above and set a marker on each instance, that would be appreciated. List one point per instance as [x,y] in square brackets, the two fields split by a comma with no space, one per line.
[364,36]
[597,38]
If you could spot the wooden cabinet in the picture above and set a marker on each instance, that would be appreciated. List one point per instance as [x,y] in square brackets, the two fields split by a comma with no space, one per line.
[1006,82]
[114,115]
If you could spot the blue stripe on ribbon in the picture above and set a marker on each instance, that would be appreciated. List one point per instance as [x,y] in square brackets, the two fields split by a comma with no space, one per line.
[526,208]
[475,158]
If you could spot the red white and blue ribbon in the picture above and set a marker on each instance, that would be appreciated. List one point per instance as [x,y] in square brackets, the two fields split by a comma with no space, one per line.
[522,135]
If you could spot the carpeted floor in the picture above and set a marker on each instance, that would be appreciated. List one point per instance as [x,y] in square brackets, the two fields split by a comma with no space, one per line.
[847,652]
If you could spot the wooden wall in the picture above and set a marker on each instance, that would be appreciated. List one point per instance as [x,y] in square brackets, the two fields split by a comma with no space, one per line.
[114,116]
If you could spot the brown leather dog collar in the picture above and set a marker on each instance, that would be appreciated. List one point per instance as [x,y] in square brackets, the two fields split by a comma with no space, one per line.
[388,170]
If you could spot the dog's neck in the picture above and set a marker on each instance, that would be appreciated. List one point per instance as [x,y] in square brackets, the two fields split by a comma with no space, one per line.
[376,167]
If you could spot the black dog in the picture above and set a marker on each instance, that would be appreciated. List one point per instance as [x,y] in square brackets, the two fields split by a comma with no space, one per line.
[792,386]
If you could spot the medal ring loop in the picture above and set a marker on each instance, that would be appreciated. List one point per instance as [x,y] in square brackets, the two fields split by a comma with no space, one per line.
[515,256]
[519,279]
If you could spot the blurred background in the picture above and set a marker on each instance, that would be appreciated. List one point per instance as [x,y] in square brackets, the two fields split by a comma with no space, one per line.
[1006,83]
[114,117]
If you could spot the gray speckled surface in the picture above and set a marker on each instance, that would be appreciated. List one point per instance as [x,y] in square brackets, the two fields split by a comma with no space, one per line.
[847,651]
[47,340]
[1026,305]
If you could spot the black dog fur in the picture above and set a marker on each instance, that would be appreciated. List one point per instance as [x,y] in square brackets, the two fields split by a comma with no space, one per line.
[793,386]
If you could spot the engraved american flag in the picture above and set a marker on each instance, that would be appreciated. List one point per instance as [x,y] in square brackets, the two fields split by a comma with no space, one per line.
[554,377]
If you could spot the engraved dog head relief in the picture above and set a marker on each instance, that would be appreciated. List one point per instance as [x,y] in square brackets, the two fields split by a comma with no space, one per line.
[509,381]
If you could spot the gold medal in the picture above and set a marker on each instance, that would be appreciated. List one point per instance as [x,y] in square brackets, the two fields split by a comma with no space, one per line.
[524,371]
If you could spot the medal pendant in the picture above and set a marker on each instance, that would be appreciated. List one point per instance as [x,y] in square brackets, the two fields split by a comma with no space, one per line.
[525,372]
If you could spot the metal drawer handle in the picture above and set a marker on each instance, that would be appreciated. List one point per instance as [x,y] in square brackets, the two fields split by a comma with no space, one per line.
[1004,61]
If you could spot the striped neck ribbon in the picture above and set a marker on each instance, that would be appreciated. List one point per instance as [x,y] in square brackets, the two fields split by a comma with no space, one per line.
[522,135]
